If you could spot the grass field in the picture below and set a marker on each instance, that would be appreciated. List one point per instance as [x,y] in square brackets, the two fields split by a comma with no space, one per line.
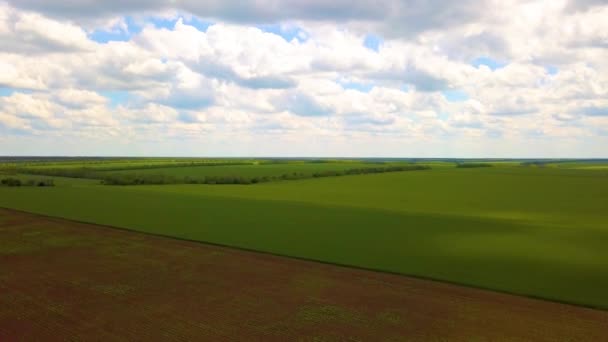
[63,280]
[527,230]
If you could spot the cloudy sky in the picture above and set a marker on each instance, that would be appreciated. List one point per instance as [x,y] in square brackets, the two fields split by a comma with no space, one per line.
[401,78]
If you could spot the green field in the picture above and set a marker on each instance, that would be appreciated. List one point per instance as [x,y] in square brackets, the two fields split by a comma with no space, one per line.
[205,171]
[529,230]
[113,164]
[252,170]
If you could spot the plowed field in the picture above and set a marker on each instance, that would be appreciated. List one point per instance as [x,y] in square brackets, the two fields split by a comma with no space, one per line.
[65,280]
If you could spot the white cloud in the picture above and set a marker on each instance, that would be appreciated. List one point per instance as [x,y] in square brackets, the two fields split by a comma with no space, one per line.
[152,113]
[77,98]
[23,32]
[237,84]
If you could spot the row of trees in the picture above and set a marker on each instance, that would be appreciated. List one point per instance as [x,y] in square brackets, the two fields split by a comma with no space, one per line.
[132,179]
[536,163]
[94,172]
[61,172]
[10,181]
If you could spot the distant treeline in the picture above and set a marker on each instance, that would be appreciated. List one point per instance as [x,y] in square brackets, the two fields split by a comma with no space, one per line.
[473,165]
[90,172]
[30,182]
[131,179]
[61,172]
[162,166]
[536,163]
[552,162]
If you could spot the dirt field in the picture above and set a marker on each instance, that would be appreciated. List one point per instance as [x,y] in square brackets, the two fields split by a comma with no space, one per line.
[63,280]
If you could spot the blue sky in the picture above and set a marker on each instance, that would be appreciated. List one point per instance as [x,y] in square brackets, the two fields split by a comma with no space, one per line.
[133,26]
[372,42]
[287,32]
[6,91]
[116,97]
[491,63]
[455,95]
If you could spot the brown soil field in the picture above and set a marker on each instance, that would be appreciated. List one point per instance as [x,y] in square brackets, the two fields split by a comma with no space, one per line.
[62,280]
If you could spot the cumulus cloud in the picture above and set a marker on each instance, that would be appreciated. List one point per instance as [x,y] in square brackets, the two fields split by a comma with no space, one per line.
[595,111]
[523,70]
[394,16]
[13,75]
[151,113]
[88,8]
[33,33]
[583,5]
[300,103]
[77,98]
[226,73]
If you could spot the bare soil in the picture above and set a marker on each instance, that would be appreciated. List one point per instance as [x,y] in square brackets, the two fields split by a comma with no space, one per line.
[62,280]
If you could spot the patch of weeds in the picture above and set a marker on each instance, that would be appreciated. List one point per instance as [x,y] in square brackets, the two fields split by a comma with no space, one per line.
[33,233]
[15,247]
[311,285]
[62,241]
[326,313]
[115,250]
[113,289]
[322,339]
[56,308]
[389,317]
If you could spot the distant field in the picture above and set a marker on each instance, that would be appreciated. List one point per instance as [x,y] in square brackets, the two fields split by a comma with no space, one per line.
[63,280]
[528,230]
[253,170]
[583,166]
[112,164]
[205,171]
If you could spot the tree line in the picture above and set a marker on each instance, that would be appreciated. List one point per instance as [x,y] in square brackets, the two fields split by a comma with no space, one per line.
[12,182]
[94,172]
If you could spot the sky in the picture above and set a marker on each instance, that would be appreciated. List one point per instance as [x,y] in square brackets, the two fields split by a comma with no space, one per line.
[356,78]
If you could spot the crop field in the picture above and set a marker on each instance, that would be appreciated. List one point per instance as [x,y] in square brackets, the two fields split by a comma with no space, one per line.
[113,164]
[84,280]
[202,171]
[252,170]
[528,230]
[583,166]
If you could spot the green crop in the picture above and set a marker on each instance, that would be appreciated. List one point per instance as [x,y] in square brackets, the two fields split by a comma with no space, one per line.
[527,230]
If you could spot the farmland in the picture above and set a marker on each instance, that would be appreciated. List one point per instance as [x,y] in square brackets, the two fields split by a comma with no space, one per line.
[252,170]
[205,171]
[85,280]
[528,230]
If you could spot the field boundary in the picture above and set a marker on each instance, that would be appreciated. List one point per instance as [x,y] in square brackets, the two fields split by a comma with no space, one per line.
[342,265]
